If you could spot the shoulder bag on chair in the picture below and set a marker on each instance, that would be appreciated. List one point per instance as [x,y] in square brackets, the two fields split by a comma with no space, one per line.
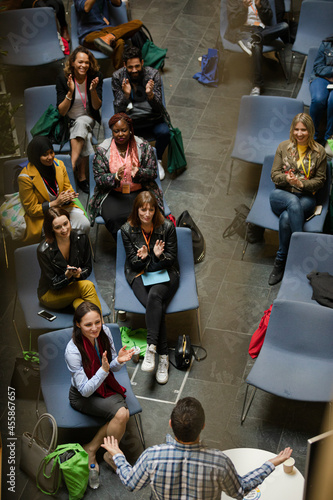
[12,216]
[52,124]
[198,241]
[33,451]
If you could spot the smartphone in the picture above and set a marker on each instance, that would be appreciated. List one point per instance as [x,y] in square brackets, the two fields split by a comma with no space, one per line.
[72,268]
[46,315]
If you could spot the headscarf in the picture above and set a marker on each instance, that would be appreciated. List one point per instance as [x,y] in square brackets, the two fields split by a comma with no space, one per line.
[37,148]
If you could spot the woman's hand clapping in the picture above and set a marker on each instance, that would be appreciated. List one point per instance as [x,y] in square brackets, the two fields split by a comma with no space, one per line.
[64,197]
[94,83]
[159,248]
[70,84]
[142,252]
[293,181]
[105,363]
[124,355]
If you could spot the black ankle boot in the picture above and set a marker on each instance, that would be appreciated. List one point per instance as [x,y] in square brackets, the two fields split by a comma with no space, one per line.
[277,273]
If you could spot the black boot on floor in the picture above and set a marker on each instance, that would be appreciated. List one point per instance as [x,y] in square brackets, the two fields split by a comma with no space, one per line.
[277,273]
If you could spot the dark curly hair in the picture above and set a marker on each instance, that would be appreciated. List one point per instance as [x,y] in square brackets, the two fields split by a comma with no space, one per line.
[93,64]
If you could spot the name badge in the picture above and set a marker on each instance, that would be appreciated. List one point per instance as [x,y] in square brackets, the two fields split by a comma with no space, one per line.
[125,188]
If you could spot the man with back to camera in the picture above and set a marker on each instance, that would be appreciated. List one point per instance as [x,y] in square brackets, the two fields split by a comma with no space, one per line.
[250,25]
[138,93]
[95,31]
[183,467]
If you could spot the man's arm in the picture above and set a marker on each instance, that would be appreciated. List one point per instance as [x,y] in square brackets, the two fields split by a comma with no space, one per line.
[239,486]
[121,101]
[88,4]
[134,478]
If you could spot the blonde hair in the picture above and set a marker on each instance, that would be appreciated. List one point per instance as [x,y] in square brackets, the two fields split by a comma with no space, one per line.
[306,120]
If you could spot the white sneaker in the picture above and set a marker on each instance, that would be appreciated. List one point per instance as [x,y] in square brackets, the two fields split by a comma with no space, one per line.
[148,364]
[162,374]
[246,45]
[255,91]
[161,172]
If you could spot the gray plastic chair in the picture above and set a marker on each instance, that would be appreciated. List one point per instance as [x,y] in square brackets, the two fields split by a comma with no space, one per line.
[262,215]
[304,92]
[315,24]
[27,277]
[118,16]
[263,122]
[29,37]
[186,297]
[307,252]
[99,219]
[56,380]
[296,359]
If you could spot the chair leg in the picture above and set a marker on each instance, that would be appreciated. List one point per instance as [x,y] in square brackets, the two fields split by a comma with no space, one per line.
[96,237]
[282,58]
[4,246]
[199,325]
[138,422]
[37,402]
[246,407]
[230,175]
[244,248]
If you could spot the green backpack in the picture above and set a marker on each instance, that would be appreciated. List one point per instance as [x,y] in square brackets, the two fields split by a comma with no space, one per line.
[73,461]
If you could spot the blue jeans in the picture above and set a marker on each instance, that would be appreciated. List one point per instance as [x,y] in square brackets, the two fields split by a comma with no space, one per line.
[292,209]
[161,133]
[321,100]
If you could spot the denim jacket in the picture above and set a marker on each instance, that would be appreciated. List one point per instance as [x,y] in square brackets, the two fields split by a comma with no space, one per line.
[323,64]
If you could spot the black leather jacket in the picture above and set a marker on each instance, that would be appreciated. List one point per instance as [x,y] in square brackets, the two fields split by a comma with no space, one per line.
[237,17]
[53,264]
[133,239]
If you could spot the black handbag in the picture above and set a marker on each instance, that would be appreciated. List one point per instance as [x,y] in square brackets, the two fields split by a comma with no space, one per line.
[198,241]
[26,378]
[184,352]
[246,230]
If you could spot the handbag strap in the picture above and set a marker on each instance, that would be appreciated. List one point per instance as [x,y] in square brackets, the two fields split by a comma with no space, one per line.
[54,438]
[41,470]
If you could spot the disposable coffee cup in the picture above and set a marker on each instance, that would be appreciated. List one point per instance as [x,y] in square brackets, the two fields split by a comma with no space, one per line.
[136,355]
[288,465]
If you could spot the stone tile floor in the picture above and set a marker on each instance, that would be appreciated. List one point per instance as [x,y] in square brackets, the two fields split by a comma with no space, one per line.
[233,293]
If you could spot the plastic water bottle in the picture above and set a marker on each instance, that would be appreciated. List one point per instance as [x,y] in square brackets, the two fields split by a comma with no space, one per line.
[93,477]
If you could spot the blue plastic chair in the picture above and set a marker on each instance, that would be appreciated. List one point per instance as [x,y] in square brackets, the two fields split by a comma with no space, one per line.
[118,16]
[262,215]
[27,277]
[304,92]
[263,122]
[296,359]
[56,381]
[36,102]
[69,169]
[315,24]
[307,252]
[99,219]
[107,106]
[186,297]
[29,37]
[277,46]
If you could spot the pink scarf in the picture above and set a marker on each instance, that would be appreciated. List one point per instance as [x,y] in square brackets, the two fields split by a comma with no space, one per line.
[131,161]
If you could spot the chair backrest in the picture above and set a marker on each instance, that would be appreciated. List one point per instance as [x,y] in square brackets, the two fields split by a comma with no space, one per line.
[11,171]
[118,15]
[315,24]
[69,169]
[304,92]
[107,106]
[307,252]
[29,37]
[36,102]
[263,122]
[302,329]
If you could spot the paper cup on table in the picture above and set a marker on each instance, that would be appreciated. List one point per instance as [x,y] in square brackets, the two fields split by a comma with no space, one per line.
[136,355]
[288,465]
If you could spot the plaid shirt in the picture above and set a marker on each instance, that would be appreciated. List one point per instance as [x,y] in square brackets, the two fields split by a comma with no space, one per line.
[177,471]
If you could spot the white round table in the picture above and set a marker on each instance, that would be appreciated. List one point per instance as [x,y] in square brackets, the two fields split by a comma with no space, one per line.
[277,486]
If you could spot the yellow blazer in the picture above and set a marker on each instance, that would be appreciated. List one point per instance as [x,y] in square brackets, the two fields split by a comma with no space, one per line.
[33,193]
